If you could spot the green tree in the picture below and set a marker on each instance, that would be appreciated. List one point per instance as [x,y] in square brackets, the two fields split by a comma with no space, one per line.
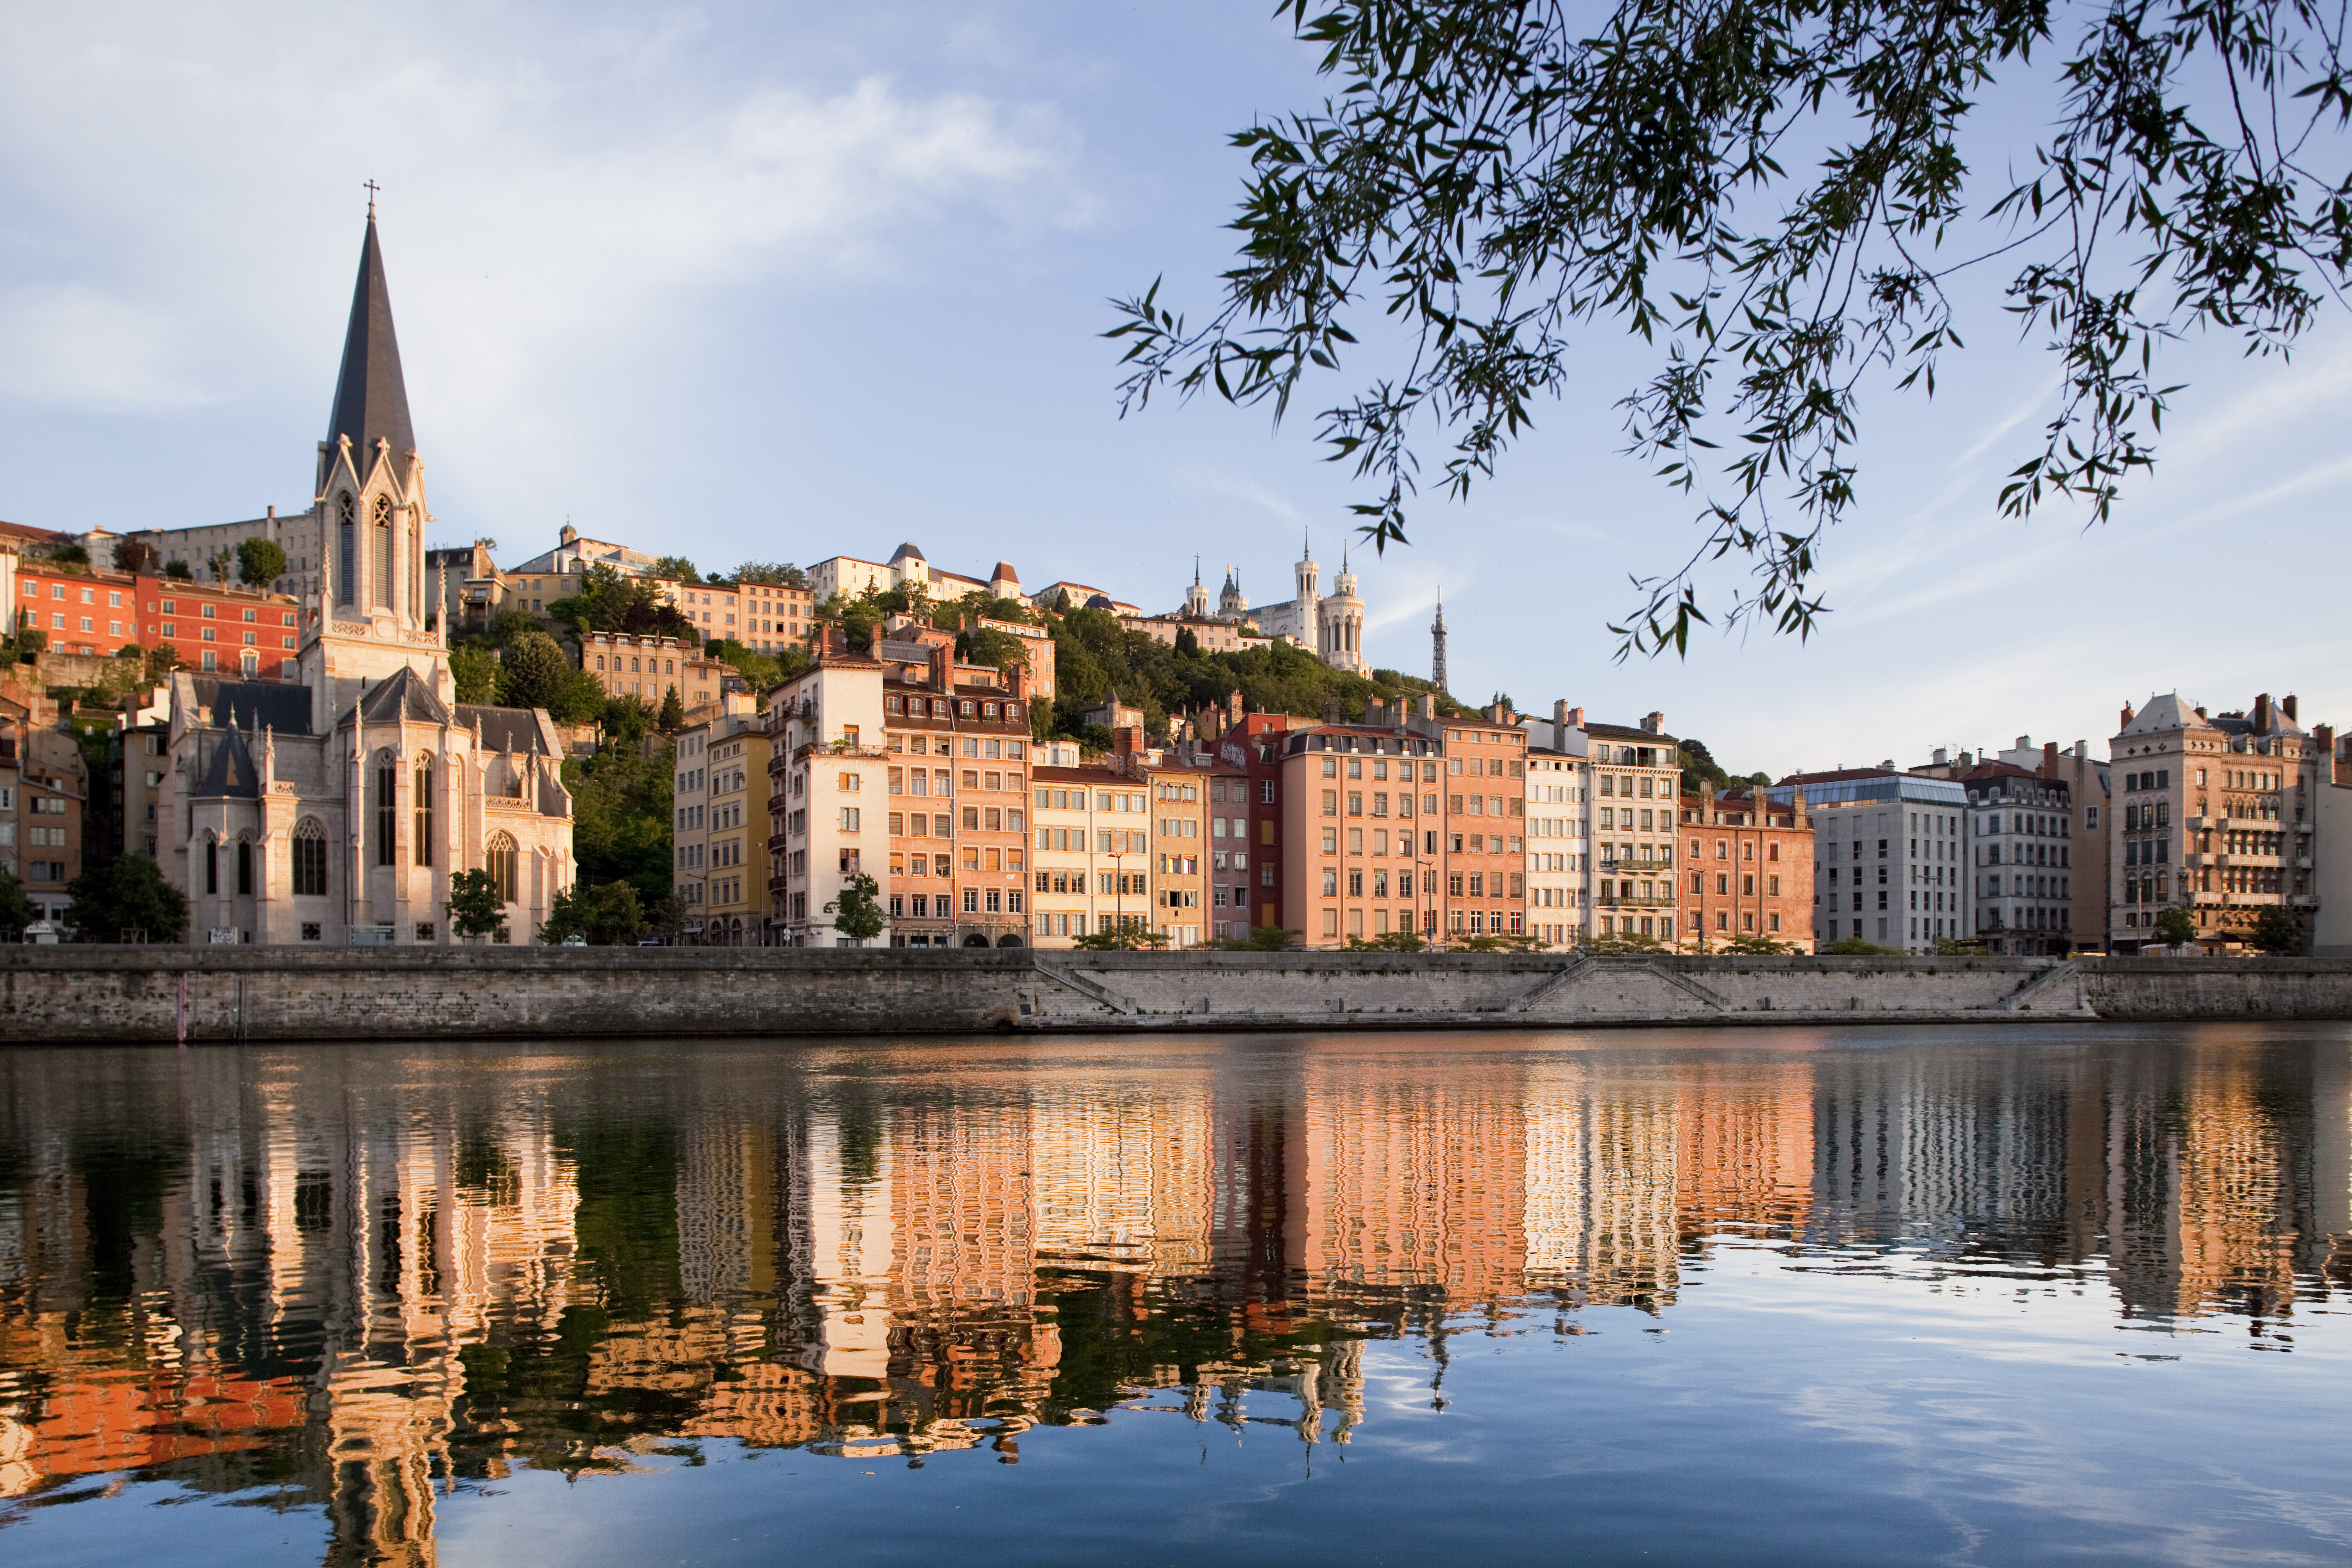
[475,906]
[179,571]
[134,555]
[673,712]
[579,699]
[773,574]
[1855,947]
[608,602]
[71,555]
[259,562]
[31,643]
[1752,942]
[1775,195]
[532,672]
[2276,930]
[476,672]
[2175,925]
[1393,941]
[129,892]
[677,568]
[608,916]
[1120,939]
[15,908]
[621,816]
[858,912]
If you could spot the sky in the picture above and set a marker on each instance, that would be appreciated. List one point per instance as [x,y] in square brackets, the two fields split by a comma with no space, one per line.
[780,282]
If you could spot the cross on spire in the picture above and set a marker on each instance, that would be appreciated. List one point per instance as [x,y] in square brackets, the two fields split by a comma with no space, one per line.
[371,189]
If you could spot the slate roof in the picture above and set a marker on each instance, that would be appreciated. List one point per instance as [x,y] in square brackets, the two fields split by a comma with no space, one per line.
[504,729]
[403,698]
[370,399]
[233,772]
[906,550]
[253,704]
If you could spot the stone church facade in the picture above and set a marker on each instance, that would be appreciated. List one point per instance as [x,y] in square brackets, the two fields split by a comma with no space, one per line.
[335,807]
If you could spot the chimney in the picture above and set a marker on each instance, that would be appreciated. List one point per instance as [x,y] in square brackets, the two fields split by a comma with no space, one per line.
[1576,717]
[1653,723]
[2287,706]
[2050,759]
[2263,713]
[2200,712]
[1942,757]
[1429,705]
[2125,722]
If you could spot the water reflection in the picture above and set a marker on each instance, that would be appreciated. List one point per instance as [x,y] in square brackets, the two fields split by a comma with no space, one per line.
[354,1278]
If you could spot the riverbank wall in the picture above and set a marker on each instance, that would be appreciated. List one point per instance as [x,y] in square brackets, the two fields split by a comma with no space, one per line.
[158,995]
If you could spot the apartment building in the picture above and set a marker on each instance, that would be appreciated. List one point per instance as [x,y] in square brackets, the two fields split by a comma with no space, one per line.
[1634,796]
[44,800]
[1357,864]
[1483,837]
[211,626]
[1189,791]
[649,668]
[2216,813]
[827,771]
[2331,815]
[1748,870]
[767,617]
[1255,880]
[1559,785]
[2021,859]
[1890,855]
[1233,877]
[1090,850]
[720,818]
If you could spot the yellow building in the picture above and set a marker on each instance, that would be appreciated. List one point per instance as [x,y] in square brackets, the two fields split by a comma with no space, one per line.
[721,824]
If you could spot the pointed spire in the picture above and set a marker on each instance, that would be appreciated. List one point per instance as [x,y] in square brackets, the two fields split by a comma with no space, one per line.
[370,399]
[1196,571]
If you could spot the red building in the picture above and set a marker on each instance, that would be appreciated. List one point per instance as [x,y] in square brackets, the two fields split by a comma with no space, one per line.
[211,625]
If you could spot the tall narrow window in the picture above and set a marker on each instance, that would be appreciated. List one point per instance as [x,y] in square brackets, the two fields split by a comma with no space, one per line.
[245,867]
[501,862]
[423,803]
[386,776]
[212,864]
[347,556]
[380,591]
[309,869]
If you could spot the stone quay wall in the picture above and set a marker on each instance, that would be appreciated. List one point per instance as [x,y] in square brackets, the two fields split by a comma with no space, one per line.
[157,995]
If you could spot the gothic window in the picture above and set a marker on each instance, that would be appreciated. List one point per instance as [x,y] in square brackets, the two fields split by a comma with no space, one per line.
[347,562]
[245,867]
[212,864]
[423,803]
[309,879]
[387,778]
[502,861]
[381,592]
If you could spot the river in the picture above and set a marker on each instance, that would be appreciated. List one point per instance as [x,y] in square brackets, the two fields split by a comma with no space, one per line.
[2010,1295]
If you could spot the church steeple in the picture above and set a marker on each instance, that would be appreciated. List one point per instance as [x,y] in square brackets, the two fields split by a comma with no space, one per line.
[370,399]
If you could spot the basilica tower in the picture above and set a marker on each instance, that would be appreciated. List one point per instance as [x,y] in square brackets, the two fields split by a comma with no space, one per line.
[1341,620]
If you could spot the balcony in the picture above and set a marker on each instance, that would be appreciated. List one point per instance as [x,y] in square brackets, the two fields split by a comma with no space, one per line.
[2302,862]
[2200,858]
[1605,901]
[2200,824]
[2303,901]
[838,749]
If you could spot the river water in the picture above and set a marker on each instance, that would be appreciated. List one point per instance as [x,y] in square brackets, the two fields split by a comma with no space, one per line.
[2015,1295]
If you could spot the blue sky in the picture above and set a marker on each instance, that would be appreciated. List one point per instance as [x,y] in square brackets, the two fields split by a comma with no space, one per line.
[787,281]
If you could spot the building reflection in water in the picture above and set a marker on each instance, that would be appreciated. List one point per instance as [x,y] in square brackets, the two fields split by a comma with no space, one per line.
[364,1280]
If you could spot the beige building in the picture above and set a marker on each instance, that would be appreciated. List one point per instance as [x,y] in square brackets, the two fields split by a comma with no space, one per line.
[649,668]
[44,803]
[721,824]
[2216,813]
[1184,788]
[1090,849]
[1634,792]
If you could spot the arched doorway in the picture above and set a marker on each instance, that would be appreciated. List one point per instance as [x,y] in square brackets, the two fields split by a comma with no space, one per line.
[1008,940]
[977,939]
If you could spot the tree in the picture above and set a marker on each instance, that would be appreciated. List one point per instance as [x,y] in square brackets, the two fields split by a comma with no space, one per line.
[1121,939]
[673,712]
[178,571]
[221,562]
[2276,930]
[622,822]
[128,893]
[1261,939]
[532,672]
[1391,941]
[31,643]
[579,700]
[1494,173]
[1753,943]
[476,672]
[71,555]
[676,568]
[15,909]
[773,574]
[608,916]
[2174,926]
[858,912]
[1855,947]
[477,908]
[133,555]
[259,562]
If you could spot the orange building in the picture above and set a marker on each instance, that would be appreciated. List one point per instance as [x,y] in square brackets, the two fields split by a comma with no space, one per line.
[1748,870]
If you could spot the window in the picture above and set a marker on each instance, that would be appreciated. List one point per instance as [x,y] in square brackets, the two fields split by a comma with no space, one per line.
[502,861]
[386,778]
[212,864]
[424,806]
[245,867]
[309,868]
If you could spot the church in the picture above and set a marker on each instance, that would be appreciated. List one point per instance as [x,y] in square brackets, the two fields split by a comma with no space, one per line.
[1332,624]
[335,807]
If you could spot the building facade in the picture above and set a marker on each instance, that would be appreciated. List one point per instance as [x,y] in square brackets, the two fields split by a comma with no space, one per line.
[721,825]
[1634,795]
[1748,870]
[1890,855]
[2021,861]
[2216,814]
